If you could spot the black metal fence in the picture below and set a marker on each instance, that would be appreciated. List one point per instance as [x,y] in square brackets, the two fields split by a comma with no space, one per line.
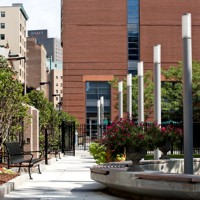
[179,148]
[83,139]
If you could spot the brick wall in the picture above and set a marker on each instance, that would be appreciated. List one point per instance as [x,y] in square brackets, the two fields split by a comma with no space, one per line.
[160,23]
[94,38]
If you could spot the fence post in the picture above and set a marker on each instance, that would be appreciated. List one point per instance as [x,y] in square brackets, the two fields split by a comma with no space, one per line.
[63,136]
[46,146]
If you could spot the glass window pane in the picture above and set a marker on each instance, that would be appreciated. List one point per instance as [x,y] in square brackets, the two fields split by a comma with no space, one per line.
[133,39]
[133,45]
[133,51]
[133,57]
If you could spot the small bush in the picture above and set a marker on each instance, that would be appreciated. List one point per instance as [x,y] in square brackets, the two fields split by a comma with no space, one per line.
[98,151]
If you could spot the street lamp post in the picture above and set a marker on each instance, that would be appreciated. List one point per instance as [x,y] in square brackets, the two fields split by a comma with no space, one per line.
[140,93]
[101,114]
[44,83]
[187,93]
[157,90]
[120,93]
[16,57]
[98,119]
[129,95]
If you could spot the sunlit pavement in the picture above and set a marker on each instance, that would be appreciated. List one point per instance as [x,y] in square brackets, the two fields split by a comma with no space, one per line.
[68,178]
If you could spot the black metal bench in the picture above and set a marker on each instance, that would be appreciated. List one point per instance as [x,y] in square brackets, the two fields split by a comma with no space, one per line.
[19,158]
[53,149]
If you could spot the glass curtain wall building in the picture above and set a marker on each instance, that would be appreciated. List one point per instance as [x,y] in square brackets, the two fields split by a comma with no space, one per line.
[133,35]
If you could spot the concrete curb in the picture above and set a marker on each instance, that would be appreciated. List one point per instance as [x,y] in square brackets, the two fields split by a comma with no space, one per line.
[11,185]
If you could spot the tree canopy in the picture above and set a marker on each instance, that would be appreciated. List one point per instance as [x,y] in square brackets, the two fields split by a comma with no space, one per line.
[171,93]
[50,118]
[12,102]
[148,95]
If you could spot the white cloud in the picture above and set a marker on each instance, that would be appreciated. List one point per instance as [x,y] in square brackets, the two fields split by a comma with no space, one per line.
[43,14]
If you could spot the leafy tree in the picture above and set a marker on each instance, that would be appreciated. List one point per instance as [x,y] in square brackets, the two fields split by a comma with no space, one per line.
[50,118]
[172,92]
[148,95]
[47,115]
[12,103]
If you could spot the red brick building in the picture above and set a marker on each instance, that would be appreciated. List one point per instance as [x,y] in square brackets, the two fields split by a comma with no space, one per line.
[94,39]
[160,23]
[104,39]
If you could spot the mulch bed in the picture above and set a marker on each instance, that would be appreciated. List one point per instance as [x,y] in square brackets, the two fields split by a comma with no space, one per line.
[6,177]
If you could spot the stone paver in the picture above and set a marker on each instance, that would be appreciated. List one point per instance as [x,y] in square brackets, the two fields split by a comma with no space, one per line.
[68,178]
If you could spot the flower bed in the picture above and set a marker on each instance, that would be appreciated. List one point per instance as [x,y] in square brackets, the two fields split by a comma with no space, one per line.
[7,175]
[125,133]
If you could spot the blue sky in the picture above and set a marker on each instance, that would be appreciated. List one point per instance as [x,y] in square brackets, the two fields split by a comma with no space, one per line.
[43,14]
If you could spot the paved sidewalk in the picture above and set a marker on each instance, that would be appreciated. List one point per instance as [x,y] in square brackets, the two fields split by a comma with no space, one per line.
[68,178]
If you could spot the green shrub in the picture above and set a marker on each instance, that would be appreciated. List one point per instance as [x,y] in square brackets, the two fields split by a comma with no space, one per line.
[98,151]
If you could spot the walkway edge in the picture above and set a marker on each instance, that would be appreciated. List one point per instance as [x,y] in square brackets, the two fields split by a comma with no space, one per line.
[13,184]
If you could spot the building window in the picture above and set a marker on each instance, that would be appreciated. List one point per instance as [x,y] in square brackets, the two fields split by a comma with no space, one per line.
[2,36]
[56,98]
[56,84]
[61,85]
[2,25]
[133,30]
[56,77]
[3,14]
[61,77]
[56,91]
[94,91]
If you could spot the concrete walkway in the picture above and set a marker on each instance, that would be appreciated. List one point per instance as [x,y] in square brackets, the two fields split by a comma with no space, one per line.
[68,178]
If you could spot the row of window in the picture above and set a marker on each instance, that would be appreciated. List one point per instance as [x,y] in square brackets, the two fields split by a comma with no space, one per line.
[133,30]
[57,92]
[60,84]
[58,77]
[97,96]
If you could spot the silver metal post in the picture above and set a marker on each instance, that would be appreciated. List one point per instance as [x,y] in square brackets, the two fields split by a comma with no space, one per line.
[129,95]
[98,119]
[120,93]
[90,125]
[157,90]
[101,114]
[187,94]
[140,93]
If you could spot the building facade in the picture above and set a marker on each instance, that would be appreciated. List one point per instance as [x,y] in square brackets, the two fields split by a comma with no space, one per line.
[103,40]
[52,45]
[13,34]
[56,77]
[37,71]
[160,23]
[94,39]
[54,60]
